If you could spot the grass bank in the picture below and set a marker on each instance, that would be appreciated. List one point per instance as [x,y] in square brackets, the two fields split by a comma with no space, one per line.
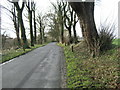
[86,72]
[116,42]
[10,54]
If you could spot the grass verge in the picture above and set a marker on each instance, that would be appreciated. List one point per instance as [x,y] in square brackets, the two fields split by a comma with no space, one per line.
[116,42]
[86,72]
[7,55]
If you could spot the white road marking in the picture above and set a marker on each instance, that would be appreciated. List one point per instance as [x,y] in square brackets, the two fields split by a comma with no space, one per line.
[7,62]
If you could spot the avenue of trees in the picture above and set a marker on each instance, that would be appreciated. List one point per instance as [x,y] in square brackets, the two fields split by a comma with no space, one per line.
[60,22]
[64,18]
[67,14]
[16,15]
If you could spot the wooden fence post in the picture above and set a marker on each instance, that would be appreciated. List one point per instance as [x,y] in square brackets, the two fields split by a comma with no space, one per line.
[23,46]
[72,48]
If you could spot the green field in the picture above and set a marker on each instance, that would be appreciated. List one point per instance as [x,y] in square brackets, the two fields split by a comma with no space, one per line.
[116,42]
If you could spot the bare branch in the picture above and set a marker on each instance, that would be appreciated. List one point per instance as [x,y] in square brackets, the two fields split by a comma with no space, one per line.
[23,5]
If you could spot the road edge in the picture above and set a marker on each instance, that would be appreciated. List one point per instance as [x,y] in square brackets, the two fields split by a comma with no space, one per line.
[63,83]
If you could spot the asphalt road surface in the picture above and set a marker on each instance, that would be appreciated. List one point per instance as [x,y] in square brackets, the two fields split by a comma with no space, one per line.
[40,68]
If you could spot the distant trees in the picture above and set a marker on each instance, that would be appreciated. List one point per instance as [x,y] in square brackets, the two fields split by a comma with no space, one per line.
[65,18]
[59,17]
[41,27]
[4,39]
[54,30]
[8,42]
[39,20]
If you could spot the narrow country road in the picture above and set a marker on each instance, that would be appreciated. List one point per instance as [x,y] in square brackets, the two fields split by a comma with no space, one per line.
[40,68]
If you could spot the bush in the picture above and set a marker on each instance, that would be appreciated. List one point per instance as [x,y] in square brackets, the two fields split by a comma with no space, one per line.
[106,37]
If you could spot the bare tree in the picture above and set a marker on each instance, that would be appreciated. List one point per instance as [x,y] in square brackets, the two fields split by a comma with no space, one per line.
[16,25]
[14,17]
[65,17]
[54,27]
[40,21]
[30,7]
[59,7]
[61,21]
[68,14]
[75,20]
[20,20]
[43,34]
[35,32]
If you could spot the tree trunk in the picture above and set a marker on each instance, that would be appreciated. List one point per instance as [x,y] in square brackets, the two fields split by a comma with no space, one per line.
[31,29]
[62,33]
[35,33]
[70,36]
[23,34]
[74,28]
[68,19]
[16,26]
[85,13]
[18,36]
[40,32]
[70,33]
[43,34]
[61,25]
[20,20]
[61,28]
[75,35]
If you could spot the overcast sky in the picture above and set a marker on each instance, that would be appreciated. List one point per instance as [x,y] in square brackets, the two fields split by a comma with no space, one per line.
[104,9]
